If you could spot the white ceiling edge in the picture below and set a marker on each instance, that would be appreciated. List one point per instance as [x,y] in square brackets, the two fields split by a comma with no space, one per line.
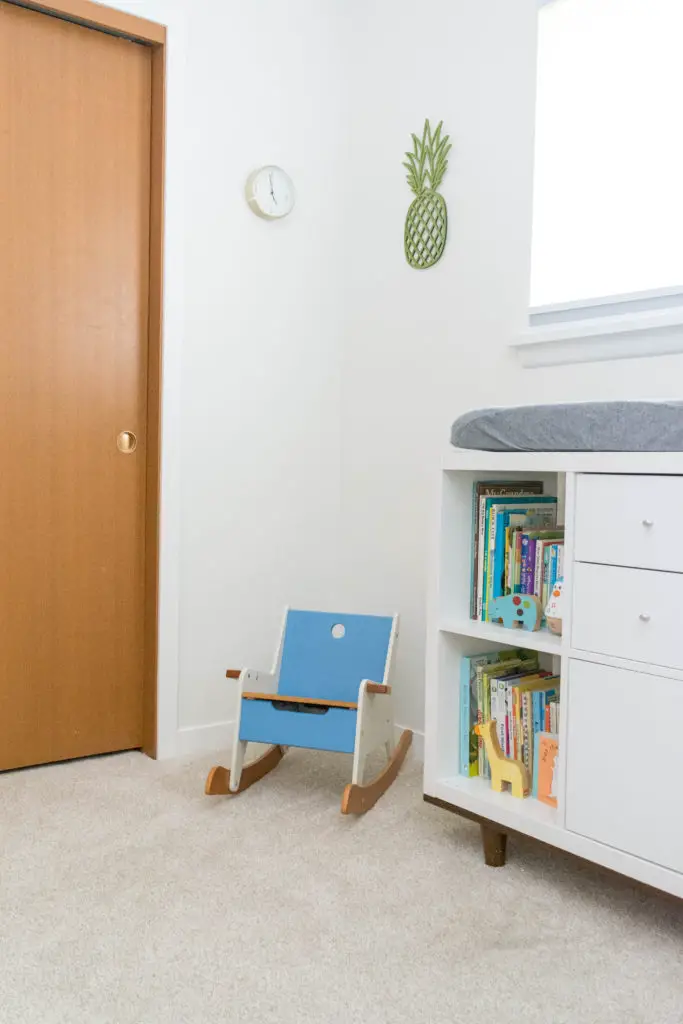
[631,336]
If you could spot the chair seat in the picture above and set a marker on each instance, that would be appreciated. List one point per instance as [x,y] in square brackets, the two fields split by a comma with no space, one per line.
[301,700]
[287,722]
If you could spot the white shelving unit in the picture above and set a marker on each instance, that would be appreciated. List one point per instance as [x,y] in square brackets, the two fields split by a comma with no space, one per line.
[619,800]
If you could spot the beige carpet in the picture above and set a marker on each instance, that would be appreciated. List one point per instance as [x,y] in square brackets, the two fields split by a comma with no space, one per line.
[127,897]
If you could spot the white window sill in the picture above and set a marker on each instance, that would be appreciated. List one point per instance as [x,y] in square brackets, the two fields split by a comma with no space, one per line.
[594,332]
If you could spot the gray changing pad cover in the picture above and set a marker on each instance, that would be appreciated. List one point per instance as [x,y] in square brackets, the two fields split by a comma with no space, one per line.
[579,427]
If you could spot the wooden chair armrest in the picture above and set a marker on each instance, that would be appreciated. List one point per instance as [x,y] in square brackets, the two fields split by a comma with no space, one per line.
[253,678]
[377,688]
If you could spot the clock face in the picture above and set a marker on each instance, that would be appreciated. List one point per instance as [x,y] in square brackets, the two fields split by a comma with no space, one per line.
[270,192]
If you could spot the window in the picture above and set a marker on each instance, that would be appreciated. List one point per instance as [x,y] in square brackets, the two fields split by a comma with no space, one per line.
[608,181]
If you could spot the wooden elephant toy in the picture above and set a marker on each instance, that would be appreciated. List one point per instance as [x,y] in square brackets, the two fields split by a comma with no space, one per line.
[522,610]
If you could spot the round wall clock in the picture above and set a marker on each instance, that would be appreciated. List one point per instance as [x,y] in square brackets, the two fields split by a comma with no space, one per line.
[270,192]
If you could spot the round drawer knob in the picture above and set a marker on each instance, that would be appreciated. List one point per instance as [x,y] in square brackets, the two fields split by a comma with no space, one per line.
[648,522]
[644,617]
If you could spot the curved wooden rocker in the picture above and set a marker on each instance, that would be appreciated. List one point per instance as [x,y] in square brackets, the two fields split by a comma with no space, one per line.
[218,779]
[320,695]
[358,799]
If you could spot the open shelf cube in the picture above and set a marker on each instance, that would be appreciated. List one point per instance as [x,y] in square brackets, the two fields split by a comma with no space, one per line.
[454,635]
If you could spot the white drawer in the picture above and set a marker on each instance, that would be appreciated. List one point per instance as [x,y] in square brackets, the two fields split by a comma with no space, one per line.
[629,520]
[635,614]
[624,764]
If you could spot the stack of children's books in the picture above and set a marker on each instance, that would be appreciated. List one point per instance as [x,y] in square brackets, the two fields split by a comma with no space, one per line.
[518,547]
[509,687]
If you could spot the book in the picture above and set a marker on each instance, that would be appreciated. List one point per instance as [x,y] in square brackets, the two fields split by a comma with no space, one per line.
[469,746]
[507,521]
[511,533]
[501,712]
[525,665]
[468,711]
[503,687]
[527,558]
[489,488]
[536,699]
[507,692]
[546,768]
[531,576]
[521,718]
[545,585]
[517,571]
[551,717]
[538,509]
[486,542]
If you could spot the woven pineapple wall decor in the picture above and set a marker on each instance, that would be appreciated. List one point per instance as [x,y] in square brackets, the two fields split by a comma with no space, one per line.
[427,219]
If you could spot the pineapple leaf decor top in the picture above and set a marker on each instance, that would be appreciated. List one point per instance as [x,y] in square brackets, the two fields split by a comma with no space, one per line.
[426,220]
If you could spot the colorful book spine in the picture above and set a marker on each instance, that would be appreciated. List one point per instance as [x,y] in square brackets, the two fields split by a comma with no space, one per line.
[523,576]
[480,720]
[465,716]
[528,564]
[545,589]
[485,560]
[498,585]
[534,775]
[532,564]
[487,718]
[514,717]
[538,568]
[481,549]
[553,564]
[517,586]
[475,553]
[500,711]
[536,708]
[541,722]
[526,728]
[509,536]
[501,585]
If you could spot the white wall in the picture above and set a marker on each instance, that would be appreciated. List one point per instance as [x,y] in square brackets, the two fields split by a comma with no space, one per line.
[261,411]
[310,374]
[425,346]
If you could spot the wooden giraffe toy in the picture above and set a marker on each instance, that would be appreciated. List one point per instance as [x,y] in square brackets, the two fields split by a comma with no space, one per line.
[503,769]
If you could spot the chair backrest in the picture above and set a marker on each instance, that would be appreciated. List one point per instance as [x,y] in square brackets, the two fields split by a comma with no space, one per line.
[327,655]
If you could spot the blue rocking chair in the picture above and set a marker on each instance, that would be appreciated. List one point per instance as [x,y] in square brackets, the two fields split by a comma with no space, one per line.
[329,690]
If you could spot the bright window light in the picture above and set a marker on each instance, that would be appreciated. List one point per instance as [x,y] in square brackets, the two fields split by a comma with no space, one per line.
[608,181]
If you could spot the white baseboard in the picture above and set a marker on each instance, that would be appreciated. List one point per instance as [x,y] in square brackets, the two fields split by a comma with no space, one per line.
[205,739]
[417,747]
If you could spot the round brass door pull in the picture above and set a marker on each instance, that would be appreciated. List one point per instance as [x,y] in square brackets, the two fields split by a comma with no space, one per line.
[126,442]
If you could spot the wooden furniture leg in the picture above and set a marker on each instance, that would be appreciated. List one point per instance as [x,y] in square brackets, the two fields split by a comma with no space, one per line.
[218,779]
[495,846]
[359,799]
